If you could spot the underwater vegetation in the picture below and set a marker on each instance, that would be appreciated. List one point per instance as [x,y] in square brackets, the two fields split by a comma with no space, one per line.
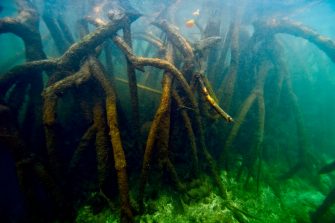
[167,111]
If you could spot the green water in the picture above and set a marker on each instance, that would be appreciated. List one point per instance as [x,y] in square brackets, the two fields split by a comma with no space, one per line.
[167,111]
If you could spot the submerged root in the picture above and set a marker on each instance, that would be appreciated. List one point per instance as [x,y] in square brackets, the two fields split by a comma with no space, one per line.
[115,137]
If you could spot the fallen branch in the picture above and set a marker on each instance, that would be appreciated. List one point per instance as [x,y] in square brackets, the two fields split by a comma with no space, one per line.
[140,86]
[211,101]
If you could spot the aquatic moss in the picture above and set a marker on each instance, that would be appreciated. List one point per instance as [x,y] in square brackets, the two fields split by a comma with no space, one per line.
[86,215]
